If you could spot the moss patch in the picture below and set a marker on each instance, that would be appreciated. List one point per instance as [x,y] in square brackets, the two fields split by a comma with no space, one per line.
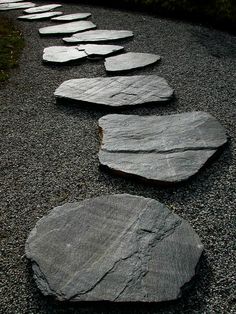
[11,44]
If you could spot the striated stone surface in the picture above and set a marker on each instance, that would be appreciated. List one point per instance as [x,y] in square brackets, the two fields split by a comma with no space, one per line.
[62,54]
[117,248]
[99,36]
[72,17]
[130,61]
[116,91]
[67,28]
[43,8]
[16,6]
[161,148]
[39,16]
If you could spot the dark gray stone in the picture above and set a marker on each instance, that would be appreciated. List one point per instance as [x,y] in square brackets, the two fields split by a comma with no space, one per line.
[43,8]
[161,148]
[130,61]
[99,36]
[72,17]
[117,248]
[62,54]
[39,16]
[116,91]
[67,28]
[16,6]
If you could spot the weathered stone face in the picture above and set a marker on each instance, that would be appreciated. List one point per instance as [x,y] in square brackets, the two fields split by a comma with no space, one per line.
[39,16]
[43,8]
[116,91]
[165,149]
[130,61]
[72,17]
[117,248]
[16,6]
[99,36]
[67,28]
[10,1]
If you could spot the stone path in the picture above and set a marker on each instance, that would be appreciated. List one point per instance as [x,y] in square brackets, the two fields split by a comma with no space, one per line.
[127,248]
[16,6]
[39,16]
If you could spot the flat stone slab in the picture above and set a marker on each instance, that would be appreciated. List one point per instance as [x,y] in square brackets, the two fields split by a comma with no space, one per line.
[116,91]
[43,8]
[39,16]
[130,61]
[16,6]
[67,28]
[10,1]
[61,54]
[165,149]
[99,36]
[72,17]
[119,248]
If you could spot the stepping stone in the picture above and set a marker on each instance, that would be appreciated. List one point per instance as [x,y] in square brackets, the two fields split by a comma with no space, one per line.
[62,54]
[16,6]
[10,1]
[99,36]
[130,61]
[119,248]
[116,91]
[67,28]
[72,17]
[165,149]
[43,8]
[39,16]
[100,50]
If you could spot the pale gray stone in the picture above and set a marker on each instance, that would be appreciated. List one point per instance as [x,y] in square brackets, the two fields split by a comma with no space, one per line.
[116,91]
[130,61]
[99,36]
[118,248]
[62,54]
[16,6]
[72,17]
[10,1]
[39,16]
[67,28]
[43,8]
[100,50]
[165,149]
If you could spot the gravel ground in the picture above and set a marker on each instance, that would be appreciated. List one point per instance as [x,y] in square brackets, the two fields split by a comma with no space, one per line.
[49,155]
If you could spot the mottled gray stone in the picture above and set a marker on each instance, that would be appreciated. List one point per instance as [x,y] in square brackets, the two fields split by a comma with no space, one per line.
[117,248]
[130,61]
[116,91]
[39,16]
[99,36]
[160,148]
[72,17]
[62,54]
[16,6]
[43,8]
[67,28]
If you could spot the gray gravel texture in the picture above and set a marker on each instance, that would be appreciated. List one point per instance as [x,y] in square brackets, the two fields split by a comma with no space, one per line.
[49,155]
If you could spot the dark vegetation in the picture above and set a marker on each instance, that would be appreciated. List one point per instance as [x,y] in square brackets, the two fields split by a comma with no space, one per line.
[11,44]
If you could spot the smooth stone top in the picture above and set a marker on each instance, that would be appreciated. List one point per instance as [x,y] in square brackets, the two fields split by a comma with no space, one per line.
[16,6]
[130,61]
[99,35]
[116,91]
[61,54]
[43,8]
[72,17]
[10,1]
[39,16]
[67,28]
[119,248]
[159,148]
[100,50]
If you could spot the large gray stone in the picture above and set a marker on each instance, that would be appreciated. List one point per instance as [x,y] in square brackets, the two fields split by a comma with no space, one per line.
[130,61]
[62,54]
[72,17]
[100,50]
[116,91]
[39,16]
[67,28]
[43,8]
[159,148]
[117,248]
[16,6]
[10,1]
[99,36]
